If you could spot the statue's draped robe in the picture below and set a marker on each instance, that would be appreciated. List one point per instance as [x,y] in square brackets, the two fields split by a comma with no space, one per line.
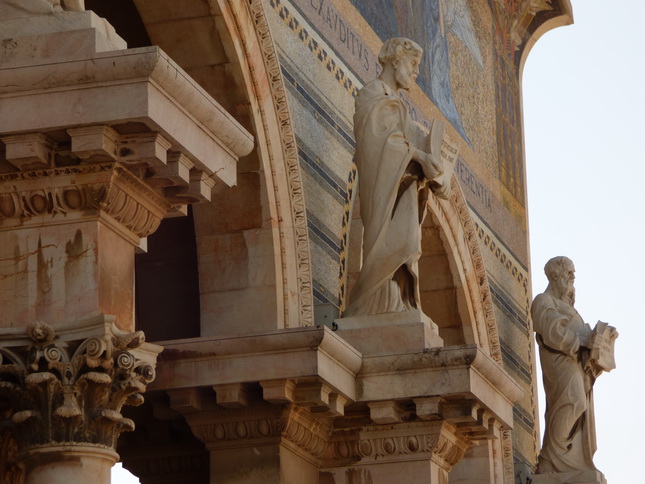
[569,436]
[393,196]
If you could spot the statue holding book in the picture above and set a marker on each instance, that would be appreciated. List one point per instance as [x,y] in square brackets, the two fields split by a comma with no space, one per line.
[398,164]
[572,357]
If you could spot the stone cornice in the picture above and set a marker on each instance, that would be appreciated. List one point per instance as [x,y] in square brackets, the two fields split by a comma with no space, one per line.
[135,66]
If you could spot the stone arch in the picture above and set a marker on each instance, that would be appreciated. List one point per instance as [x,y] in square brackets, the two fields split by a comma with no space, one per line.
[452,276]
[252,239]
[559,15]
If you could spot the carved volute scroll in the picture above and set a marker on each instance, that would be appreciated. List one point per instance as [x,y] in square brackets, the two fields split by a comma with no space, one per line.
[55,392]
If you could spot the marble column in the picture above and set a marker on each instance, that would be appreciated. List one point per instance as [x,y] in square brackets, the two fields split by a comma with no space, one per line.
[98,144]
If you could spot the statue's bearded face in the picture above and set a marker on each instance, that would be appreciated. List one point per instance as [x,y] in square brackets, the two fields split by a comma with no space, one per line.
[407,69]
[564,282]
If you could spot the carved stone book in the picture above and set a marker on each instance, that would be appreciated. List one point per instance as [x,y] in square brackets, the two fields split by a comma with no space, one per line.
[442,147]
[602,355]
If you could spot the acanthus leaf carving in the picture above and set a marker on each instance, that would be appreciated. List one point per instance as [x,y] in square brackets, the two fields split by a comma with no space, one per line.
[71,392]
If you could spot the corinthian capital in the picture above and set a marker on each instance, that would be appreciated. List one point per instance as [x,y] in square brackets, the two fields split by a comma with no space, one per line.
[57,391]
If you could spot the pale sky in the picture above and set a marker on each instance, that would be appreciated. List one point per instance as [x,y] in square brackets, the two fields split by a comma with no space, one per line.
[583,110]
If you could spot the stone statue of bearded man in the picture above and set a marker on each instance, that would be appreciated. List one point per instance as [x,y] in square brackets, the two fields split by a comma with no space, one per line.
[395,177]
[566,343]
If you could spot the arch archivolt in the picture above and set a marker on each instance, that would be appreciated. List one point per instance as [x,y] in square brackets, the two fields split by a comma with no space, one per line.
[227,47]
[276,140]
[258,92]
[475,308]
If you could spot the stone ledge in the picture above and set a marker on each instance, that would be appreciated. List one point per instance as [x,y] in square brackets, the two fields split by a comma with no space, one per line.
[143,85]
[573,477]
[450,371]
[300,353]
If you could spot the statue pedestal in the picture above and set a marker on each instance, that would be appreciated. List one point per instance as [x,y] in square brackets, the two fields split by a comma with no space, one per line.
[574,477]
[390,333]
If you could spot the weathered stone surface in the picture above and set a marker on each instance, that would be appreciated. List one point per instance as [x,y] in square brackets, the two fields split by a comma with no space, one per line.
[569,350]
[394,170]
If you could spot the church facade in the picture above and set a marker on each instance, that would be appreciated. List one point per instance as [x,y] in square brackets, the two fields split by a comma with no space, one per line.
[180,235]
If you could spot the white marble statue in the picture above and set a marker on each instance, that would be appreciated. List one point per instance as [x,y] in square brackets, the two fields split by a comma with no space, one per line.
[18,8]
[395,176]
[566,345]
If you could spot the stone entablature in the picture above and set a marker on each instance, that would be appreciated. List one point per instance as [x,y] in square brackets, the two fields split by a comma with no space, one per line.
[97,144]
[139,94]
[81,192]
[310,392]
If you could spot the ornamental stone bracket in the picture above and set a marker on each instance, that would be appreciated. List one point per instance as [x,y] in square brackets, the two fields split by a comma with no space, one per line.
[70,92]
[61,394]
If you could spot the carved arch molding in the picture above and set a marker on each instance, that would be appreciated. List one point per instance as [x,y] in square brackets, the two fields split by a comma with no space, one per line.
[276,124]
[253,67]
[459,237]
[254,50]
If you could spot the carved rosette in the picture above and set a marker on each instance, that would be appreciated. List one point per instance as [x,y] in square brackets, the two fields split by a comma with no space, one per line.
[54,393]
[82,190]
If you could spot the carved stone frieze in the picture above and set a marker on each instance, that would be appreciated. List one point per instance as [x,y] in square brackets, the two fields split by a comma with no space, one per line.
[507,458]
[241,430]
[437,440]
[71,392]
[81,189]
[315,439]
[292,425]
